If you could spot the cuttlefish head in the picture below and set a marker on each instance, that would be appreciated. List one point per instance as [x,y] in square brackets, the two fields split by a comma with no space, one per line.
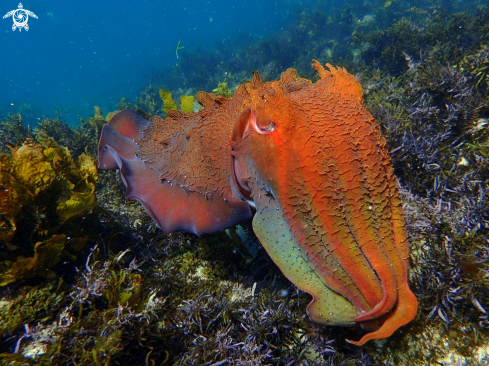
[312,161]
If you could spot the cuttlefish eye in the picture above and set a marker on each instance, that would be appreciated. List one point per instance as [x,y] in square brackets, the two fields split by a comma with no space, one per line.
[262,124]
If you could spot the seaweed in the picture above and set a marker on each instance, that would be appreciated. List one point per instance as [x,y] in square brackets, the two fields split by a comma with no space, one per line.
[168,102]
[477,65]
[187,103]
[43,191]
[428,118]
[53,129]
[386,48]
[12,132]
[31,304]
[222,89]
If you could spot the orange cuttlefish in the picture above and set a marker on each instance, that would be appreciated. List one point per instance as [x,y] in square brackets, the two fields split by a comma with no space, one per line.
[308,162]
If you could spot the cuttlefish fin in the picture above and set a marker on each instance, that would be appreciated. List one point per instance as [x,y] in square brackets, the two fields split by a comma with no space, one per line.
[172,206]
[124,128]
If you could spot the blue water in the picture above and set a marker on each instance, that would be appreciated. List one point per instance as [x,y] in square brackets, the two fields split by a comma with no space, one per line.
[78,54]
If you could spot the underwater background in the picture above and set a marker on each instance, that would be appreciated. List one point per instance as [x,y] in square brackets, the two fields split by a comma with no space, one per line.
[86,276]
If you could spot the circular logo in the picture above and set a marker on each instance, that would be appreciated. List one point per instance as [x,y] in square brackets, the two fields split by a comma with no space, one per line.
[20,18]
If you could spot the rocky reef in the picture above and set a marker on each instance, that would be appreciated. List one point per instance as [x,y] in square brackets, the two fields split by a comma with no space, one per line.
[87,278]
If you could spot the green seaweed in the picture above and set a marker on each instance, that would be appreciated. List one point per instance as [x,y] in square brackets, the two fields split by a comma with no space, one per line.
[223,90]
[168,102]
[187,103]
[31,304]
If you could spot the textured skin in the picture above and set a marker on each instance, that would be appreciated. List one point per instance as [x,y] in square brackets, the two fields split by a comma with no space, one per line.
[310,160]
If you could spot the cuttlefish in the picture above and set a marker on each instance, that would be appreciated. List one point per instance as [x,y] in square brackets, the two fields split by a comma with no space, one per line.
[307,162]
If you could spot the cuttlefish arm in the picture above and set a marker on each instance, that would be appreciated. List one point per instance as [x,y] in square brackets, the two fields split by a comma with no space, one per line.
[308,161]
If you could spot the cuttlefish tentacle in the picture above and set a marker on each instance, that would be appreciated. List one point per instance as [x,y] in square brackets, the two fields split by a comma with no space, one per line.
[406,304]
[366,216]
[308,161]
